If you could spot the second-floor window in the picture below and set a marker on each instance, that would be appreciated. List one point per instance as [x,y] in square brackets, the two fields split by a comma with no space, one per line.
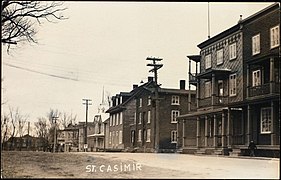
[135,118]
[120,137]
[219,56]
[174,115]
[232,85]
[207,89]
[148,116]
[121,118]
[232,51]
[256,78]
[208,61]
[274,37]
[149,100]
[256,44]
[140,117]
[140,102]
[175,100]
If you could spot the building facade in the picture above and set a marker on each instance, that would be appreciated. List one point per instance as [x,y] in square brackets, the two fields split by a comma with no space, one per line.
[140,131]
[237,94]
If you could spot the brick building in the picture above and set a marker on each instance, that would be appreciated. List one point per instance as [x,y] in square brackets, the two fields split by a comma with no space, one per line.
[137,129]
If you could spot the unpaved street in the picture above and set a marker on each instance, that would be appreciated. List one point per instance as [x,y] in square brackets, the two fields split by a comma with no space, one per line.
[134,165]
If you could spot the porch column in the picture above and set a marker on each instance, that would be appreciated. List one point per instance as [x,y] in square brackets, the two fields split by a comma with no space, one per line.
[189,87]
[249,124]
[213,89]
[248,80]
[273,123]
[206,131]
[197,93]
[223,130]
[229,129]
[198,132]
[183,133]
[215,131]
[271,76]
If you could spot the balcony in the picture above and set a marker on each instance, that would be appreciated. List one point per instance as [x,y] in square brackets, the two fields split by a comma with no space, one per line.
[192,79]
[264,89]
[218,101]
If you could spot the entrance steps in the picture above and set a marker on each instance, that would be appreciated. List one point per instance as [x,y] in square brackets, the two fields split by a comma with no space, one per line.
[200,151]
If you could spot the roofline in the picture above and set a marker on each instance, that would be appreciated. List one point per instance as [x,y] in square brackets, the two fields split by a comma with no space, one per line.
[237,26]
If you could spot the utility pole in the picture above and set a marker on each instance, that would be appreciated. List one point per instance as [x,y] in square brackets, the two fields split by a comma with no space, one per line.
[54,119]
[87,103]
[156,114]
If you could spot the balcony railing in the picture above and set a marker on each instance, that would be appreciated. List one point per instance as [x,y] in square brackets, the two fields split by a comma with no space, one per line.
[218,100]
[264,89]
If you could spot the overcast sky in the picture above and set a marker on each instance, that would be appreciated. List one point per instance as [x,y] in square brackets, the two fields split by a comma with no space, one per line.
[105,44]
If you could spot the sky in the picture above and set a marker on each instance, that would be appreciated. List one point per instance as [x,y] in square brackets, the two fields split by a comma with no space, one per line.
[104,45]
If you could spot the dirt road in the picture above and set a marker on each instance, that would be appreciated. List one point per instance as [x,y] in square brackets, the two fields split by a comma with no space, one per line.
[132,165]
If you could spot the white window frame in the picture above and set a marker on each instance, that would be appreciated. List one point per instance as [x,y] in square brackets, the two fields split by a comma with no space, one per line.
[120,137]
[121,118]
[173,136]
[148,116]
[148,134]
[133,136]
[256,78]
[113,120]
[256,44]
[208,89]
[219,56]
[232,51]
[174,115]
[232,85]
[208,61]
[135,118]
[149,100]
[110,137]
[140,117]
[274,37]
[266,124]
[140,105]
[139,135]
[117,119]
[175,100]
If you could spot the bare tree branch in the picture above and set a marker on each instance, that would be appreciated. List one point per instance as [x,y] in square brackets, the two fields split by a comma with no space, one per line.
[19,19]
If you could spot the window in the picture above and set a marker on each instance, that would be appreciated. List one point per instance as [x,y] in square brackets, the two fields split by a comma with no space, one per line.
[232,85]
[274,37]
[120,137]
[135,118]
[219,56]
[110,137]
[207,89]
[121,118]
[256,44]
[139,136]
[266,120]
[256,78]
[232,51]
[148,116]
[174,115]
[113,137]
[110,120]
[174,136]
[117,137]
[140,102]
[149,100]
[132,136]
[208,61]
[117,118]
[175,100]
[113,121]
[140,114]
[148,131]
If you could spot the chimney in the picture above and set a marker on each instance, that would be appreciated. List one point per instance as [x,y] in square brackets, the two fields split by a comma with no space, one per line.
[240,20]
[182,84]
[150,78]
[135,86]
